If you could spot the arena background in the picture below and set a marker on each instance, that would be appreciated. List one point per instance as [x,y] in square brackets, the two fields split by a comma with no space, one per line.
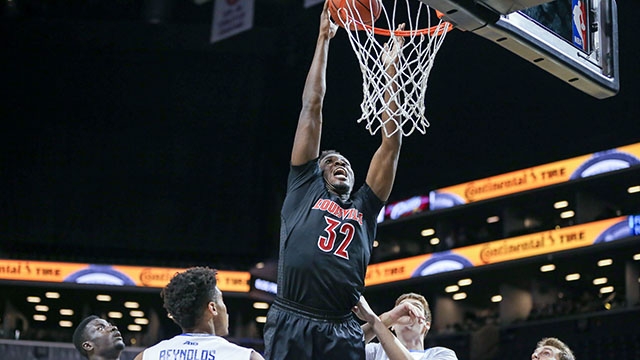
[137,142]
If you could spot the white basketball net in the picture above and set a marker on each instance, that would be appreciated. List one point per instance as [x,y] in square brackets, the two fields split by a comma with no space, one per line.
[413,68]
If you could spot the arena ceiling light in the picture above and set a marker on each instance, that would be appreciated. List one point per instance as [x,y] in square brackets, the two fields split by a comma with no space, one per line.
[136,313]
[115,315]
[496,298]
[427,232]
[131,305]
[572,277]
[261,305]
[451,288]
[560,204]
[633,189]
[459,296]
[103,297]
[567,214]
[141,321]
[493,219]
[606,290]
[464,282]
[605,262]
[547,268]
[600,281]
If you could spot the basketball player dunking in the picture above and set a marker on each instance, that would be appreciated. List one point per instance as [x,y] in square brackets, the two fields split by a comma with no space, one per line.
[327,231]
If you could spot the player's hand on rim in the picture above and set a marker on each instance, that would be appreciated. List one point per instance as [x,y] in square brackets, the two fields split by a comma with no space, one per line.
[326,25]
[393,48]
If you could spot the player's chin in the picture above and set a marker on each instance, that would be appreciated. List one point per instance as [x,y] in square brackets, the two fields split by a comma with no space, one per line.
[342,187]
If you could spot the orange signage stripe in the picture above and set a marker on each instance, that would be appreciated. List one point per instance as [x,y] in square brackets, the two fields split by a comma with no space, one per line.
[519,247]
[155,277]
[527,179]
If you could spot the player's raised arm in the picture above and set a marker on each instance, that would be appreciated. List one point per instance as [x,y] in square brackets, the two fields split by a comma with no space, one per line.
[382,170]
[306,144]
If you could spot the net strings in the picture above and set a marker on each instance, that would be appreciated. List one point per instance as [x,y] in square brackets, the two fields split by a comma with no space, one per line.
[416,59]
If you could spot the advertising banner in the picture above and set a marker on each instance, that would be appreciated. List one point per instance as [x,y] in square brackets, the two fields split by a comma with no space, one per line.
[153,277]
[536,177]
[498,251]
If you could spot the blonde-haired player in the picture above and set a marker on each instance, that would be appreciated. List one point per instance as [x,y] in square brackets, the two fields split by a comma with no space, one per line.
[410,319]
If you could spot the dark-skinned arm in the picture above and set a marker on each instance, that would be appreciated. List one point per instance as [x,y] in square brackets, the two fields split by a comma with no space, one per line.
[306,144]
[384,163]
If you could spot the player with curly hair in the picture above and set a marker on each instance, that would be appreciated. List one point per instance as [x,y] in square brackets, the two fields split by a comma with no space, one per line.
[194,302]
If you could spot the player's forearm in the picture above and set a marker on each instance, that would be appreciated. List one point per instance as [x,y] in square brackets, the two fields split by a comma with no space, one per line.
[368,330]
[391,345]
[306,145]
[316,83]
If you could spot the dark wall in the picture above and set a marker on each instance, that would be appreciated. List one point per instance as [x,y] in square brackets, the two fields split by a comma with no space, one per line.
[118,145]
[123,137]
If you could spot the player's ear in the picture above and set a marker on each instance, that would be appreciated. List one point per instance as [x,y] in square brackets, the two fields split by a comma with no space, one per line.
[212,308]
[87,346]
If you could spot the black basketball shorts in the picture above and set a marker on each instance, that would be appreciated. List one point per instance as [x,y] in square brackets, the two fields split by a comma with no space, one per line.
[292,333]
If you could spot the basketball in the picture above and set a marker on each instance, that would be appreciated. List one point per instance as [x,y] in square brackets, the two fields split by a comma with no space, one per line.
[360,11]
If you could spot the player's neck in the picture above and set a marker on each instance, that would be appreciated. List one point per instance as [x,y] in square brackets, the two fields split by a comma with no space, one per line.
[342,196]
[413,344]
[204,325]
[200,330]
[103,358]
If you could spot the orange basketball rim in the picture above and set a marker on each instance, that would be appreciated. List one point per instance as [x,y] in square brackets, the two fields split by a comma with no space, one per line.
[435,30]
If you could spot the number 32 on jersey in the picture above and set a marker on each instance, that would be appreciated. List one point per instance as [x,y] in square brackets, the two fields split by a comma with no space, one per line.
[336,230]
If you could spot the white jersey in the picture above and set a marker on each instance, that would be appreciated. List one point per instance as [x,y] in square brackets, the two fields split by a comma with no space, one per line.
[375,351]
[196,347]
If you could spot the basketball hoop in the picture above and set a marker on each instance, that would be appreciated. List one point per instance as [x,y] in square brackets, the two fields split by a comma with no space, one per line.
[421,44]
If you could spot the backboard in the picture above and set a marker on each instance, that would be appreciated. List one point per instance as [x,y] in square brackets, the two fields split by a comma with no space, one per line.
[575,40]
